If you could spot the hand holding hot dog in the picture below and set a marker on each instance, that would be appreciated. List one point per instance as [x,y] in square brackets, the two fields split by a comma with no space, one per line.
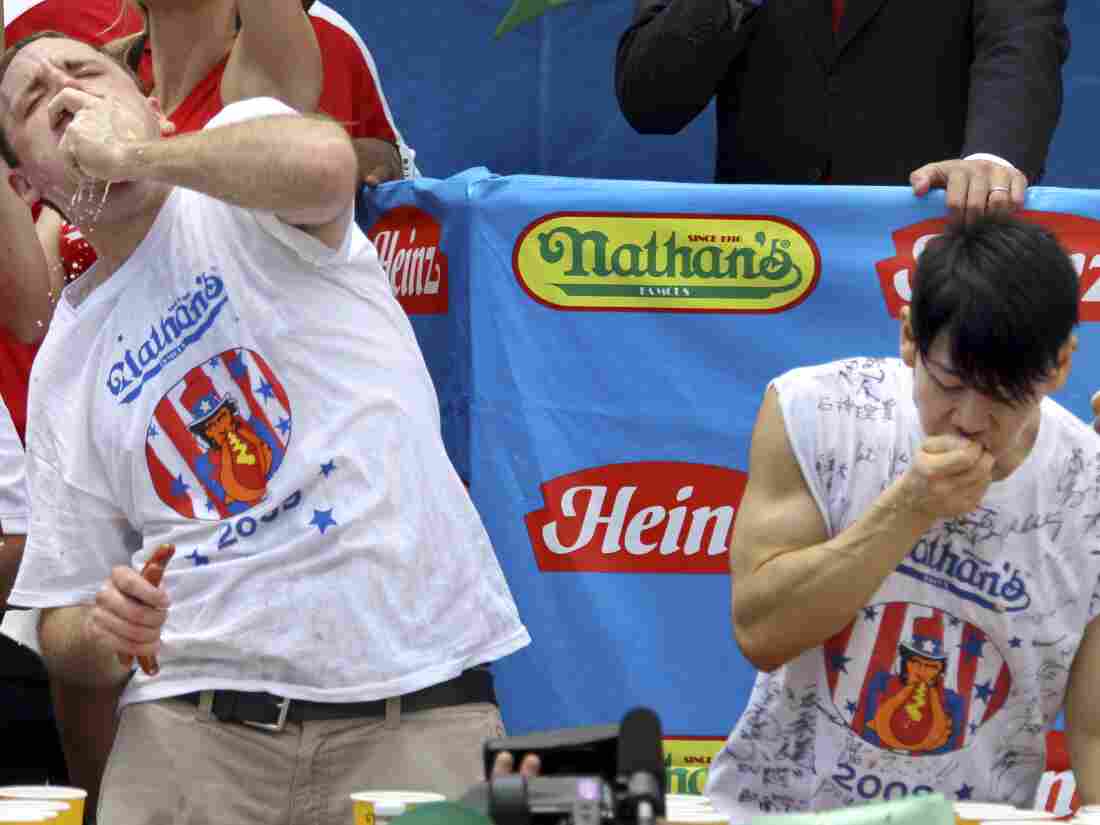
[131,608]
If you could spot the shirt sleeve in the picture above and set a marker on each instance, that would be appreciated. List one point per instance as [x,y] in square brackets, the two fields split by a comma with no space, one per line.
[13,483]
[74,539]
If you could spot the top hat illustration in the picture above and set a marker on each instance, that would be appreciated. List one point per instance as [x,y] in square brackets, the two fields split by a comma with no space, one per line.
[927,638]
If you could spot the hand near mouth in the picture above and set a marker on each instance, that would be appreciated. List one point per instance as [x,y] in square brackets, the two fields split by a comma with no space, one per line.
[97,134]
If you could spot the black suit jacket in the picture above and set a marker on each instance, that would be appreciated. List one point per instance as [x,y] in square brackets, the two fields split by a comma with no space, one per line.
[903,83]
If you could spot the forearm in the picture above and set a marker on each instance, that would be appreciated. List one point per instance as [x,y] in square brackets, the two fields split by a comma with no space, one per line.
[797,600]
[1015,96]
[299,167]
[25,285]
[74,653]
[672,59]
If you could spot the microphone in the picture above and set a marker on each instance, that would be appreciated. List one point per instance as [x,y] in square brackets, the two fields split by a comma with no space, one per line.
[641,768]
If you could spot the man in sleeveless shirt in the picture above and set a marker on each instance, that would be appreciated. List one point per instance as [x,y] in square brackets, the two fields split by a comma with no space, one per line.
[916,561]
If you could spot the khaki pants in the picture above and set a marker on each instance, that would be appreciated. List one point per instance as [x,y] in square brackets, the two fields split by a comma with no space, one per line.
[171,767]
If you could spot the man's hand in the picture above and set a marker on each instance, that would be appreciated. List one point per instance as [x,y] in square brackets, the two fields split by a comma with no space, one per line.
[949,476]
[505,764]
[129,613]
[379,161]
[98,137]
[973,186]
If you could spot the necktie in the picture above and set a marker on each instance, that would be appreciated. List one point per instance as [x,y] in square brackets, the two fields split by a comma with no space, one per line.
[838,13]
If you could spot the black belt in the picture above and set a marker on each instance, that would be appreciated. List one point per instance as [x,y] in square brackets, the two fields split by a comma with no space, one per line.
[263,710]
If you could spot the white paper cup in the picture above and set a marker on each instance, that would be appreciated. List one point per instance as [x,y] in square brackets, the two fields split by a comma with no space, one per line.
[73,797]
[28,811]
[379,807]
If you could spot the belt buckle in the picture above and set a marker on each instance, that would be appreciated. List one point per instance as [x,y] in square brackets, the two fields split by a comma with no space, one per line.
[280,722]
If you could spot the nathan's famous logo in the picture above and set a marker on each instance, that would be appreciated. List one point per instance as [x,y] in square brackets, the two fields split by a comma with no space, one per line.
[687,762]
[645,517]
[666,262]
[914,679]
[1079,235]
[218,436]
[188,317]
[407,240]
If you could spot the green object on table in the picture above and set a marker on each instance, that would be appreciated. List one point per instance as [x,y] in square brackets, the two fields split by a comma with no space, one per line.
[524,11]
[442,813]
[919,809]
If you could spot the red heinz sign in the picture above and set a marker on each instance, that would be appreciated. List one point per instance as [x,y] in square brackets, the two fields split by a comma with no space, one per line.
[643,517]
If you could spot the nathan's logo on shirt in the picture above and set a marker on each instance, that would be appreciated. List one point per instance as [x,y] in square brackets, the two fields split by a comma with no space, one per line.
[1079,235]
[914,679]
[646,517]
[185,322]
[218,436]
[716,263]
[408,243]
[938,561]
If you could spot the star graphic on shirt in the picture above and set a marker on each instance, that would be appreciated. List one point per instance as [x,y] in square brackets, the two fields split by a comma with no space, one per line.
[983,691]
[954,622]
[973,647]
[210,505]
[179,486]
[205,405]
[284,425]
[869,613]
[322,519]
[1015,641]
[973,727]
[328,467]
[153,431]
[266,390]
[236,368]
[198,558]
[213,362]
[839,662]
[852,707]
[964,792]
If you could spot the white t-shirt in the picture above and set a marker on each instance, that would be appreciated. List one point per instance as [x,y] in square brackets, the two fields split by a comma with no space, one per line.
[997,601]
[20,625]
[258,399]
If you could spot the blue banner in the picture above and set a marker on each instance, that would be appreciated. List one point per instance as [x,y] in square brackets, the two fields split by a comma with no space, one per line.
[600,349]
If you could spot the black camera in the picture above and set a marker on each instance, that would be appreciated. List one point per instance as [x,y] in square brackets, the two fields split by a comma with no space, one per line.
[589,776]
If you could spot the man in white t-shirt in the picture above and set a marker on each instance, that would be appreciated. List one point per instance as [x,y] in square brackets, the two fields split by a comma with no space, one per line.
[235,379]
[916,564]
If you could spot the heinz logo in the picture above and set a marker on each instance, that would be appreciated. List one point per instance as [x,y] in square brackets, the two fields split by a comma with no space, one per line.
[407,240]
[1080,236]
[701,263]
[645,517]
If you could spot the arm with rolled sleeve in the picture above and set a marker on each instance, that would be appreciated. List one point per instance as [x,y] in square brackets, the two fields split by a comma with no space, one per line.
[672,58]
[1016,81]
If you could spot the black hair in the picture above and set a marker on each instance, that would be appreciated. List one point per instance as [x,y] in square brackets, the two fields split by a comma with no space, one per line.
[1005,294]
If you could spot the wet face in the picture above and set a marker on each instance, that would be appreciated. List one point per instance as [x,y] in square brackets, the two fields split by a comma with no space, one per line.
[36,75]
[918,669]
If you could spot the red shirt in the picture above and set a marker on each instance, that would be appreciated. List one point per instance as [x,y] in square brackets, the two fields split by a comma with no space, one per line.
[351,91]
[94,21]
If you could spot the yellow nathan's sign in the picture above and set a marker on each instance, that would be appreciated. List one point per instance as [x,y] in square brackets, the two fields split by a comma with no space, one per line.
[715,263]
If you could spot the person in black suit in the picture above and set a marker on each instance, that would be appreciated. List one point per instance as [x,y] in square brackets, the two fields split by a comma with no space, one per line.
[962,95]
